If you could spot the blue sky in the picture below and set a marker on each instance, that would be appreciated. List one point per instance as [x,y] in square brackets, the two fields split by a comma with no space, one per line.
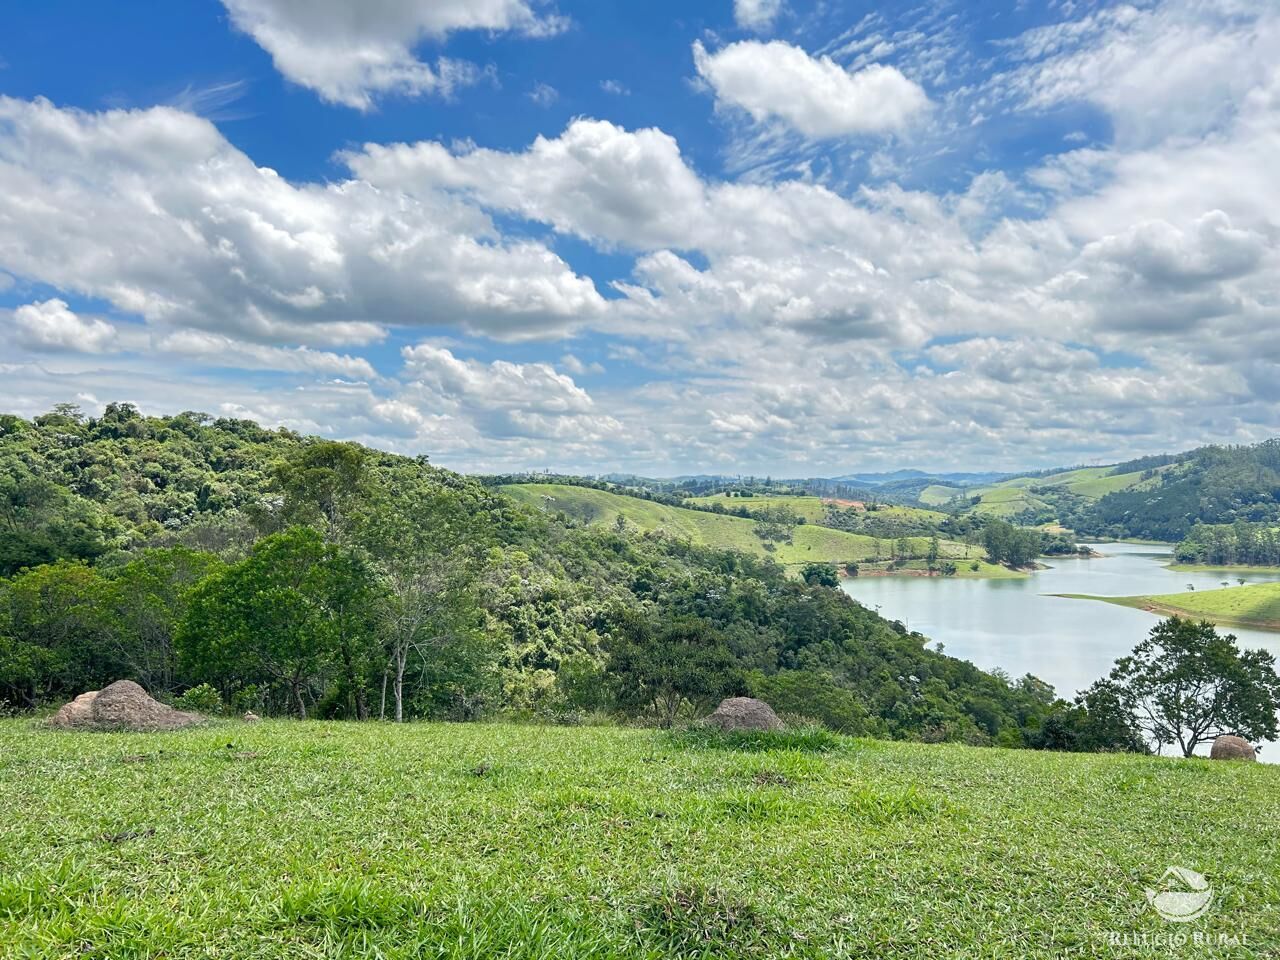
[762,236]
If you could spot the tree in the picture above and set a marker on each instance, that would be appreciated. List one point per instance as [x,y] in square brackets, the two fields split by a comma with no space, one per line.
[1186,684]
[426,542]
[323,485]
[288,611]
[820,575]
[143,602]
[1012,545]
[51,632]
[1099,721]
[685,662]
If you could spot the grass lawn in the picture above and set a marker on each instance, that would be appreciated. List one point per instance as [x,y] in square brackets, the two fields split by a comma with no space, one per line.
[1256,605]
[287,840]
[1006,501]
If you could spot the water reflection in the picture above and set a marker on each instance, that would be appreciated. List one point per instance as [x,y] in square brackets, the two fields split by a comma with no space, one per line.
[1016,626]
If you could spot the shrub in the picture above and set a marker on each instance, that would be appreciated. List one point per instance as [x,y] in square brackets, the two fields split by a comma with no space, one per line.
[201,699]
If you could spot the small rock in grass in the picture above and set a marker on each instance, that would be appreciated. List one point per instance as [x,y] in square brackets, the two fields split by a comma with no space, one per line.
[744,713]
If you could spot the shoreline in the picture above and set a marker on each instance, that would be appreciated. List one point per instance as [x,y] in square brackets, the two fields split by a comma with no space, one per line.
[1148,605]
[1224,567]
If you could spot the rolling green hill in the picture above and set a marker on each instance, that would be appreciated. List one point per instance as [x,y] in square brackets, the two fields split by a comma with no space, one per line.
[936,494]
[1045,498]
[809,542]
[814,509]
[811,508]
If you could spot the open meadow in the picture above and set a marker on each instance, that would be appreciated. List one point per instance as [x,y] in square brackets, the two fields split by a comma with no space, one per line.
[286,839]
[1255,605]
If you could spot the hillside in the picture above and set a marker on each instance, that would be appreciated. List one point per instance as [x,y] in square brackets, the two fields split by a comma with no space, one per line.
[1256,605]
[1152,498]
[809,542]
[526,842]
[814,509]
[297,576]
[811,508]
[1043,499]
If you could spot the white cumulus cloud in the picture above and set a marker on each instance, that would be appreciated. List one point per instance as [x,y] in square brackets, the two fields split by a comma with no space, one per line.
[155,212]
[351,52]
[814,95]
[52,325]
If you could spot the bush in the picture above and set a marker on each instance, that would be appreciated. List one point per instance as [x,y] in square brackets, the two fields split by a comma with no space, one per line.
[201,699]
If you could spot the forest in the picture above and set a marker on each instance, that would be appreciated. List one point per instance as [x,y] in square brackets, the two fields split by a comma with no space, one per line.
[1212,485]
[1254,544]
[226,566]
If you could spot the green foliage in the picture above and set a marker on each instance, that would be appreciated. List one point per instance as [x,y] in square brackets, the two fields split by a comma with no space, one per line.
[1011,545]
[295,613]
[815,695]
[1186,684]
[384,586]
[686,664]
[1212,485]
[820,575]
[1098,722]
[201,699]
[1255,544]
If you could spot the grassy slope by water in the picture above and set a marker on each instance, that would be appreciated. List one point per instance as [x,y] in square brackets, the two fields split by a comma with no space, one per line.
[809,542]
[1013,496]
[341,840]
[1256,605]
[814,509]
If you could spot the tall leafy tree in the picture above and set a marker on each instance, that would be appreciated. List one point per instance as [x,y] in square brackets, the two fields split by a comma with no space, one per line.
[289,612]
[52,627]
[324,485]
[1186,684]
[426,541]
[142,604]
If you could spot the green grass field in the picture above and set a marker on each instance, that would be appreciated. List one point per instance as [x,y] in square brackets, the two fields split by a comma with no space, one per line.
[288,840]
[935,495]
[1255,605]
[1226,569]
[814,509]
[809,542]
[1005,501]
[811,508]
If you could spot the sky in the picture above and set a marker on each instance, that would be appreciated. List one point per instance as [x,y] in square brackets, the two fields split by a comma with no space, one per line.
[732,236]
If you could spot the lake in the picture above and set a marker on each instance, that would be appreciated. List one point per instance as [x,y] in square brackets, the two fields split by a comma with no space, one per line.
[1015,625]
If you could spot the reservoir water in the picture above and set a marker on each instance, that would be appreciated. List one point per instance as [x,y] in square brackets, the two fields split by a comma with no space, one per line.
[1017,626]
